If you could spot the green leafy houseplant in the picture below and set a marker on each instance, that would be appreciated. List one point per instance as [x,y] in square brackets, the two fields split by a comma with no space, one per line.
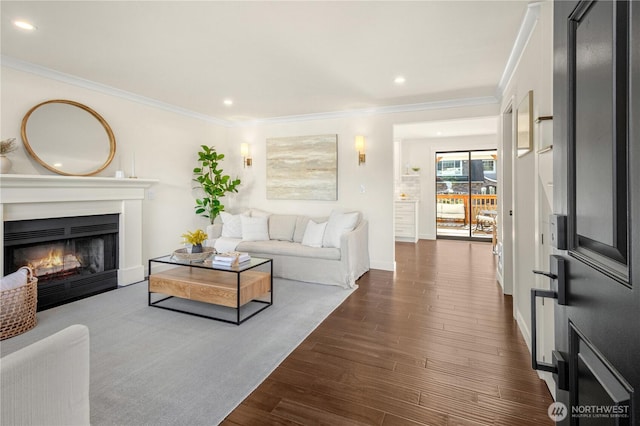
[213,183]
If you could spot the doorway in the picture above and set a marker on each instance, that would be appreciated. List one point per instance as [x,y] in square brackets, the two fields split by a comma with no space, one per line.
[466,194]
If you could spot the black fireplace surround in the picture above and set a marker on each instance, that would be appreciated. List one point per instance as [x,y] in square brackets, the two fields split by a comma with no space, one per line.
[73,257]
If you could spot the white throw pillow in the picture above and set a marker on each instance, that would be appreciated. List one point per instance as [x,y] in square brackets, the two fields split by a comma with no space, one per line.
[231,224]
[313,234]
[254,228]
[338,224]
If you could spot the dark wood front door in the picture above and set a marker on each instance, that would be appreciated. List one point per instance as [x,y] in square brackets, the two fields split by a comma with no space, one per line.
[597,189]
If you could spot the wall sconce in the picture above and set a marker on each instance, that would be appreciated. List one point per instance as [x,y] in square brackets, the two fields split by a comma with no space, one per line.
[244,151]
[360,149]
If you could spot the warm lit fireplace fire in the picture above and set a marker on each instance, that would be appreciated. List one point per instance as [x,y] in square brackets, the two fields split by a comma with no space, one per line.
[73,257]
[54,262]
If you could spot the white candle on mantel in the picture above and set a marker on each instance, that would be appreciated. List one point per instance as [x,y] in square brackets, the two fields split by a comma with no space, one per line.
[133,165]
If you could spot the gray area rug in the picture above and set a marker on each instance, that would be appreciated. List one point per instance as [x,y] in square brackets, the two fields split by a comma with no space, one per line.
[151,366]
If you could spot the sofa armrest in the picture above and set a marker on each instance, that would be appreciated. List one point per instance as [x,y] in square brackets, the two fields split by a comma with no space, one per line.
[213,233]
[47,382]
[354,251]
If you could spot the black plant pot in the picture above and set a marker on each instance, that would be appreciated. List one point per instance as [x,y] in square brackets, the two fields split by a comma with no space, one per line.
[197,248]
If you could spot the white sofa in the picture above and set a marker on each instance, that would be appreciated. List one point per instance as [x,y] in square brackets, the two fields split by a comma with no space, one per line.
[47,382]
[338,257]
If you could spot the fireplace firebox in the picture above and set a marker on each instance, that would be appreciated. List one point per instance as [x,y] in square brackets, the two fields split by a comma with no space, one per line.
[73,257]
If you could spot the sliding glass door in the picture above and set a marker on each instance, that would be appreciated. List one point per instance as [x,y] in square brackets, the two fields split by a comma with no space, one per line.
[466,200]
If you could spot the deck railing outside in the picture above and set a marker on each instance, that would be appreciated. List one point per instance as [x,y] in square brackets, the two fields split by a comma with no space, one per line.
[479,202]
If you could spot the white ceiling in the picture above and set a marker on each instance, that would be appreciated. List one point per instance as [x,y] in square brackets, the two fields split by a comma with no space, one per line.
[274,59]
[447,128]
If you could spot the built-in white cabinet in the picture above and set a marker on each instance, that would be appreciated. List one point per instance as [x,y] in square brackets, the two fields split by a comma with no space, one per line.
[406,218]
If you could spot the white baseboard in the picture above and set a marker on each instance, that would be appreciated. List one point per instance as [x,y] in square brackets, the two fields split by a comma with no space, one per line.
[548,379]
[543,375]
[522,325]
[500,279]
[427,236]
[385,266]
[130,275]
[407,239]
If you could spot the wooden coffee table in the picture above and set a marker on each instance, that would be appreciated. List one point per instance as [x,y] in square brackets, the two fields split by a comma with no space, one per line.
[233,287]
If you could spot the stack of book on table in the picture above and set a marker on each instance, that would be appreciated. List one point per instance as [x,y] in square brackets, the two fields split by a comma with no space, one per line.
[231,258]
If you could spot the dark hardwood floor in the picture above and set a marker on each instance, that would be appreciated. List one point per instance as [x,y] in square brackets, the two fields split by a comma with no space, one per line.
[433,343]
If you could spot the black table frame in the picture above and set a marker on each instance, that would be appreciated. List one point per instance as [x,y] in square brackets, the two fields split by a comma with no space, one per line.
[168,260]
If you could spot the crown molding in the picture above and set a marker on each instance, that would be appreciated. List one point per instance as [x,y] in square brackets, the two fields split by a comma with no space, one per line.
[522,39]
[424,106]
[39,70]
[31,68]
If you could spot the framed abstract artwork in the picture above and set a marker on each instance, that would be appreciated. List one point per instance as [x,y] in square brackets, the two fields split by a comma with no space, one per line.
[302,168]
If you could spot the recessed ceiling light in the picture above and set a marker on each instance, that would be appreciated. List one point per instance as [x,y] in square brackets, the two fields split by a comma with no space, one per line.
[399,80]
[228,102]
[439,133]
[24,25]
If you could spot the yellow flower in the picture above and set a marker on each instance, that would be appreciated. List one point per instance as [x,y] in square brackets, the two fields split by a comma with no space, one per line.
[195,237]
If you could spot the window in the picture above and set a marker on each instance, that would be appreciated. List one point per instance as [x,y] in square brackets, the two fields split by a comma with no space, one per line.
[489,165]
[449,168]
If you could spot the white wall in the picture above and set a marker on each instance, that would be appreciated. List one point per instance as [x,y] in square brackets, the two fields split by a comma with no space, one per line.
[165,146]
[532,181]
[376,175]
[421,153]
[164,143]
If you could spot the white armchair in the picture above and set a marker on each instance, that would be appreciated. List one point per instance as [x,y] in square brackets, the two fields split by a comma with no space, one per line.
[47,382]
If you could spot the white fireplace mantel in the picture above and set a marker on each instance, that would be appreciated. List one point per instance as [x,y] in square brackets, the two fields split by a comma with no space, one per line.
[24,197]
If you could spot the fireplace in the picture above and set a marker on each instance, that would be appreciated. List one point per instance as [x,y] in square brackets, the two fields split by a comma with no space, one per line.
[73,257]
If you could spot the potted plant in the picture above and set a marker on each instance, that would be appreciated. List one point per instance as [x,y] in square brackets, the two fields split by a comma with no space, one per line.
[195,238]
[213,183]
[6,146]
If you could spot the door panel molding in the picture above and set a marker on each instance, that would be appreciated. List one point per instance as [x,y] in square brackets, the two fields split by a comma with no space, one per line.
[589,369]
[598,33]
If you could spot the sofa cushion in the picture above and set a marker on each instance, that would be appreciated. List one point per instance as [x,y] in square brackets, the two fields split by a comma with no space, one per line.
[254,228]
[313,234]
[338,224]
[282,227]
[231,224]
[288,248]
[301,226]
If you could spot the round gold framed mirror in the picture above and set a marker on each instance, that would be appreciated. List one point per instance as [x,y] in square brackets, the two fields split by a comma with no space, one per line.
[68,138]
